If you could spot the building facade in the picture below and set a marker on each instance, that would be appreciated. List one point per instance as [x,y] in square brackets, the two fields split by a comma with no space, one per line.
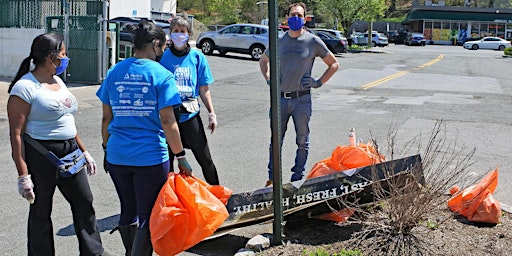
[451,24]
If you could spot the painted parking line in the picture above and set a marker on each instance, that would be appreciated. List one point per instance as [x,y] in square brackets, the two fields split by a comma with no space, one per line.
[401,73]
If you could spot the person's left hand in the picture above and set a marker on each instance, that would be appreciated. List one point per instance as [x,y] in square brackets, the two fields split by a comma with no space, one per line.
[212,121]
[308,82]
[184,166]
[91,164]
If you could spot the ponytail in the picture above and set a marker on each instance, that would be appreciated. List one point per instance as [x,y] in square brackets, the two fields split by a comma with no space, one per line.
[24,68]
[42,46]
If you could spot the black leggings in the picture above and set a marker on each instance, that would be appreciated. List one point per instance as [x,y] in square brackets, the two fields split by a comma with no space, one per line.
[75,190]
[193,137]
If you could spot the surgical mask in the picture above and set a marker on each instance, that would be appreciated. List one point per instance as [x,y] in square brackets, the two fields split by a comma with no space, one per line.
[179,39]
[295,23]
[62,67]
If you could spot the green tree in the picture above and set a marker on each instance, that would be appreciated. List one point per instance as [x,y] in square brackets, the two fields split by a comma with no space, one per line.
[349,11]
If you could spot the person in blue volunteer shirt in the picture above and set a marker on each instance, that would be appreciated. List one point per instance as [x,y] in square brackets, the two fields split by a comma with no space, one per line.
[297,52]
[138,124]
[41,106]
[193,77]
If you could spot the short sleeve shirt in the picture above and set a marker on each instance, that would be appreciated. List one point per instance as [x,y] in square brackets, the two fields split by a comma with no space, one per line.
[51,112]
[190,72]
[296,58]
[136,90]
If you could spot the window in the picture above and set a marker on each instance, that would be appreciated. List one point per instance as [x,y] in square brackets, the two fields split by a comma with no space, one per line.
[232,30]
[247,30]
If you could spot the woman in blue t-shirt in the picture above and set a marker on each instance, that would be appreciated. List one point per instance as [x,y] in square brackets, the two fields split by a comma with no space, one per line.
[193,76]
[139,97]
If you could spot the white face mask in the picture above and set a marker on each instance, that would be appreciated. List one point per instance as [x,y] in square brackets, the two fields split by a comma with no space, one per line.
[179,39]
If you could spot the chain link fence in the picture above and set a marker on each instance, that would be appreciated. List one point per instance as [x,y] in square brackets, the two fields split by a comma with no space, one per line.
[33,13]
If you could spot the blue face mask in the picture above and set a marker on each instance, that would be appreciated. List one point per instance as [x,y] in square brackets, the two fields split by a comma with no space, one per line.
[63,65]
[295,23]
[179,39]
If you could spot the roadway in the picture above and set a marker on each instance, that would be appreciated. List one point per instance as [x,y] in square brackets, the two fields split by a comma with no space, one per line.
[407,88]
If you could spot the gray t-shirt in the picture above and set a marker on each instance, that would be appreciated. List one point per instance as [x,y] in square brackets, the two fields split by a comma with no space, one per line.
[51,112]
[296,58]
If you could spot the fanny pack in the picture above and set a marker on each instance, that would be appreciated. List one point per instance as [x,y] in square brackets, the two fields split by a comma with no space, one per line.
[68,165]
[190,106]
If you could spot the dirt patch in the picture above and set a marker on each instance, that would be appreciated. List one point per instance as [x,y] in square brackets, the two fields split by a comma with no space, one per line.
[454,235]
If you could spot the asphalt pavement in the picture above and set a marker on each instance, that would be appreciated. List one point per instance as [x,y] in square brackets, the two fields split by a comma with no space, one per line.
[401,90]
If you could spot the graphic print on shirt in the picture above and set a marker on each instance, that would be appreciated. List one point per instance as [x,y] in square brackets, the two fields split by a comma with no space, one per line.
[182,76]
[67,104]
[132,91]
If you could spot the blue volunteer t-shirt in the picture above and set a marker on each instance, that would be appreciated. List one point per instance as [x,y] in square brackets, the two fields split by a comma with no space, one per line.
[136,90]
[190,72]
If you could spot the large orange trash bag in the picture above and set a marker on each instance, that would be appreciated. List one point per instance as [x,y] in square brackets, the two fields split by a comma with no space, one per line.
[186,211]
[476,202]
[346,158]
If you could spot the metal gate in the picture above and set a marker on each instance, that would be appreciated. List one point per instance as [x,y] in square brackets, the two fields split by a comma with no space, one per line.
[82,23]
[81,34]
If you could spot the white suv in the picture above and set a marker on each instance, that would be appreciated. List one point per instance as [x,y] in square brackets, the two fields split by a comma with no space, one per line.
[378,39]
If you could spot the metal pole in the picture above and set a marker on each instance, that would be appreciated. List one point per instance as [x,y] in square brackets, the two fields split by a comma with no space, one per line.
[103,49]
[275,98]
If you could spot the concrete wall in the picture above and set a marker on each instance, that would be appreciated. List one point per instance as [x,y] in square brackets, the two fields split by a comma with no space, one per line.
[15,46]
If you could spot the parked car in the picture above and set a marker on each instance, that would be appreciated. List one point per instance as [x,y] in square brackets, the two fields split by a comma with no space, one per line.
[461,42]
[334,44]
[378,39]
[392,36]
[333,32]
[354,38]
[126,31]
[400,39]
[490,42]
[415,39]
[241,38]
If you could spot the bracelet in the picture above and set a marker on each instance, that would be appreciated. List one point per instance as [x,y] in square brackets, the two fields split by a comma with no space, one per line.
[104,147]
[180,154]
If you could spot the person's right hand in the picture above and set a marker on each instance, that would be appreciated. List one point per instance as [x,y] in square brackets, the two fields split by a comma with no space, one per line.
[26,188]
[184,166]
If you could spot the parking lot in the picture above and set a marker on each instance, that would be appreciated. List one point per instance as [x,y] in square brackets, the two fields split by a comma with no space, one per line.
[406,87]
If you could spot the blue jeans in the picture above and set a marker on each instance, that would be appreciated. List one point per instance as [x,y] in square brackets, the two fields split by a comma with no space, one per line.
[299,109]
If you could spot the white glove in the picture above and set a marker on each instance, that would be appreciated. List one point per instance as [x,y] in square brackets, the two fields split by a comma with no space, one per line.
[26,188]
[91,164]
[212,121]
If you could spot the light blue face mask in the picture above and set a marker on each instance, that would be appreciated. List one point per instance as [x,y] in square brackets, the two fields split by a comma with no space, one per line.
[179,39]
[62,67]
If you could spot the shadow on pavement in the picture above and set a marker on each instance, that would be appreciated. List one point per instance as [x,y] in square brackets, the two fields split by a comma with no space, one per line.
[104,224]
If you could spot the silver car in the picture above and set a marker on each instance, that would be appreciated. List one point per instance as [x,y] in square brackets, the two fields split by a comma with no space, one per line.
[241,38]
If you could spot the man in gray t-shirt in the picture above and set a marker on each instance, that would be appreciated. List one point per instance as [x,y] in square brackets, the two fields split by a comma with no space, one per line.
[297,52]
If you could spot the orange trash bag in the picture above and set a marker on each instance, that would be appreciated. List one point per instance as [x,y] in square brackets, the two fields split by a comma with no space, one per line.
[476,202]
[186,211]
[346,158]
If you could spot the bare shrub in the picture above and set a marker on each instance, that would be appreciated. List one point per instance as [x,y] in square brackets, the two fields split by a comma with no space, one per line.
[403,202]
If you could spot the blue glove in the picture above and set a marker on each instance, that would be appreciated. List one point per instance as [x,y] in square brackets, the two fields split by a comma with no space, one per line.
[183,165]
[310,82]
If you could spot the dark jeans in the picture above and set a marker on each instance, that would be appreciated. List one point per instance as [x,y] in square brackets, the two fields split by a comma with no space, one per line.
[75,190]
[193,137]
[138,188]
